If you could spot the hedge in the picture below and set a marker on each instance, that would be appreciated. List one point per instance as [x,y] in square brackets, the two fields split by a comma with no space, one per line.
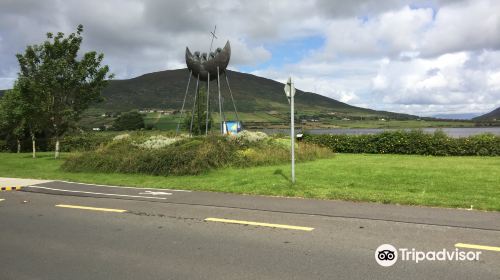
[83,142]
[410,142]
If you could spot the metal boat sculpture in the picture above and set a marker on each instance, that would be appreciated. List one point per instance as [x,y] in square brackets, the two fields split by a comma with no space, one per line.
[209,66]
[205,68]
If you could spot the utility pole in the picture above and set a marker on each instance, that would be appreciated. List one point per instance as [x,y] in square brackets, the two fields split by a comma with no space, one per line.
[290,93]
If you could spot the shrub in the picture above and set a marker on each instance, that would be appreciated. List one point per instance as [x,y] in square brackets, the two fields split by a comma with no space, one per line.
[84,141]
[248,137]
[120,137]
[410,142]
[3,146]
[129,121]
[180,156]
[157,142]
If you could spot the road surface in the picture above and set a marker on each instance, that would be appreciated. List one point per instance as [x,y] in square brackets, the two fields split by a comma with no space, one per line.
[63,230]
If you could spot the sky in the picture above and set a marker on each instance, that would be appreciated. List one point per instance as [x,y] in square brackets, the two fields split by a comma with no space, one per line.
[419,57]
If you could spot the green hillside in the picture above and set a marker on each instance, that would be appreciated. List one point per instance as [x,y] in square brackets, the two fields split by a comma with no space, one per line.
[491,116]
[165,90]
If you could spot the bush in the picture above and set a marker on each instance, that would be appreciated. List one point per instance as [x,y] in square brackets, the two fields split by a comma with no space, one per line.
[129,121]
[3,146]
[86,141]
[410,142]
[89,141]
[120,137]
[249,137]
[157,142]
[159,155]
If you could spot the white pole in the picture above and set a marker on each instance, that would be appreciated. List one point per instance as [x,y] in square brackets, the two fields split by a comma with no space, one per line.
[292,131]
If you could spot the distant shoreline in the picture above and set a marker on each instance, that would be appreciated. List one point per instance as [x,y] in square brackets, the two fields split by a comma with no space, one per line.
[450,131]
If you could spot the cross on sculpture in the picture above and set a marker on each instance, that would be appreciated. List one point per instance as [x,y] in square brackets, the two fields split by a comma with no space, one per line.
[213,36]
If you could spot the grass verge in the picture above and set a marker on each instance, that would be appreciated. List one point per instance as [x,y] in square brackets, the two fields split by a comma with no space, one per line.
[397,179]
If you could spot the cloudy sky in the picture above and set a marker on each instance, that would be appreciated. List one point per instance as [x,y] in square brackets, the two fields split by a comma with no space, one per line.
[420,57]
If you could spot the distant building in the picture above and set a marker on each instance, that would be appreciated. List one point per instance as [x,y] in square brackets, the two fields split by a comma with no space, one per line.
[169,112]
[161,111]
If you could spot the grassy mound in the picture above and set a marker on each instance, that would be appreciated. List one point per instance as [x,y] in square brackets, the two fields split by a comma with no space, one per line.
[160,155]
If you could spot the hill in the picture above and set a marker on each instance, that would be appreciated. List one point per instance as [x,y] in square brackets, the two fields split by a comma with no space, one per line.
[165,89]
[493,115]
[464,116]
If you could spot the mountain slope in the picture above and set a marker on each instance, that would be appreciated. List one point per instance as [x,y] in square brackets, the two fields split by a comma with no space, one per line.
[166,89]
[464,116]
[493,115]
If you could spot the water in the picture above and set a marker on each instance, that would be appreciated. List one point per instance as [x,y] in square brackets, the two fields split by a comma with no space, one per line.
[450,131]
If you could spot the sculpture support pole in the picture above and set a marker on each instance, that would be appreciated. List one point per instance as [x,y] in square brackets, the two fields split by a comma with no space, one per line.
[208,103]
[292,134]
[222,120]
[183,103]
[194,105]
[232,99]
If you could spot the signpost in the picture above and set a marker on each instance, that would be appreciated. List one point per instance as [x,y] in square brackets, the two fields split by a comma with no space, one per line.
[290,93]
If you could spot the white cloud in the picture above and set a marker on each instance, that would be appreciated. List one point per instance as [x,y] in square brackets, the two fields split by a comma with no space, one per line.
[474,25]
[243,54]
[402,55]
[448,80]
[494,81]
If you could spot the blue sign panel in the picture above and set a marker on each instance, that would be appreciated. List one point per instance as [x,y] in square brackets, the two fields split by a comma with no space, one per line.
[232,127]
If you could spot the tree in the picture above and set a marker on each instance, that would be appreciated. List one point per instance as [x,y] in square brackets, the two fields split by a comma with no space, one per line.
[31,98]
[200,115]
[129,121]
[65,83]
[12,115]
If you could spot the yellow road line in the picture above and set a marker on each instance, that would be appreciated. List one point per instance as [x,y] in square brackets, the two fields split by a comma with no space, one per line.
[258,224]
[1,199]
[91,208]
[479,247]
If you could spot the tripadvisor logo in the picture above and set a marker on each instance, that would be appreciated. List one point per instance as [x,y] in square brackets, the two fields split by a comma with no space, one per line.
[387,255]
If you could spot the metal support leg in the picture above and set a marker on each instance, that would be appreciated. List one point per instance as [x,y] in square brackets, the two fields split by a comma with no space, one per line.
[232,99]
[183,103]
[222,119]
[194,105]
[208,103]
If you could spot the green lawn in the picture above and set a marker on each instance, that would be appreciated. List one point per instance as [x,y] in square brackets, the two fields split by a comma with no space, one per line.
[161,122]
[417,180]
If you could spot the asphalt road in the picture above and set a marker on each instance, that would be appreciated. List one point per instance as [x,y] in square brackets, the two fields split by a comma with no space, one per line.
[61,230]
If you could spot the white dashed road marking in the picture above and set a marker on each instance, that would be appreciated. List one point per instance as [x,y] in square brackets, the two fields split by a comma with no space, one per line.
[107,194]
[108,186]
[155,193]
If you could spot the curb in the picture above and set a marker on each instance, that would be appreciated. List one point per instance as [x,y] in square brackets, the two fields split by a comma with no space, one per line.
[10,188]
